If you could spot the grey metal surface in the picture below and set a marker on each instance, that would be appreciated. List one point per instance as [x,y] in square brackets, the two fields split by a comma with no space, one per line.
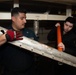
[44,50]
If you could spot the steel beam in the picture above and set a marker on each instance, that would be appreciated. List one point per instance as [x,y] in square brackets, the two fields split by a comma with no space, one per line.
[44,50]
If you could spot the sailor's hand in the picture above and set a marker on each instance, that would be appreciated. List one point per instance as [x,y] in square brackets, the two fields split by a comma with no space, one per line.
[57,24]
[61,45]
[13,35]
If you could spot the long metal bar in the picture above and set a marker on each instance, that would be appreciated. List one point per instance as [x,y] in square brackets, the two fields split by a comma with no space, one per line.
[44,50]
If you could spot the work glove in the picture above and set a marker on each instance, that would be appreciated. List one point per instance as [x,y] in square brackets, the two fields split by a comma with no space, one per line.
[13,35]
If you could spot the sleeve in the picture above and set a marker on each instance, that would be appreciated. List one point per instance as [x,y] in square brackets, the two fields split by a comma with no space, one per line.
[52,35]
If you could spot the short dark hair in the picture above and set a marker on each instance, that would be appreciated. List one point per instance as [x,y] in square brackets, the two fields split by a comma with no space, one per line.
[70,19]
[17,10]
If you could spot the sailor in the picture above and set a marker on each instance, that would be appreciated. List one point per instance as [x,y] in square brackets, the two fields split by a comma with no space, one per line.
[15,60]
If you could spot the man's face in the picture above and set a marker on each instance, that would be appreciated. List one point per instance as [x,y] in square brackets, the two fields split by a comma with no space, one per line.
[67,26]
[19,21]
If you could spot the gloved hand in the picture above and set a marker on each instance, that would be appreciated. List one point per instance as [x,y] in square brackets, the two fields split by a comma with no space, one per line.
[13,35]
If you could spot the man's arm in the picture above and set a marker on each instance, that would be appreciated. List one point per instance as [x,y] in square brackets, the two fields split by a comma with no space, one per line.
[10,36]
[2,39]
[51,36]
